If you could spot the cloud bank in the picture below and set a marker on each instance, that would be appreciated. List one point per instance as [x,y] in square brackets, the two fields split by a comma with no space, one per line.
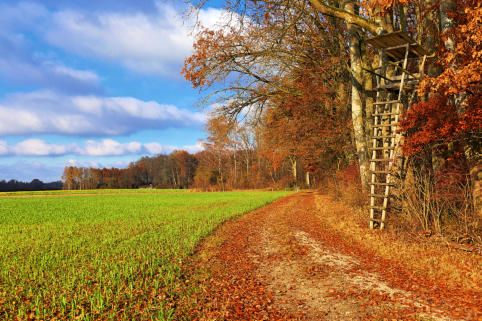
[150,42]
[155,43]
[20,62]
[48,112]
[105,147]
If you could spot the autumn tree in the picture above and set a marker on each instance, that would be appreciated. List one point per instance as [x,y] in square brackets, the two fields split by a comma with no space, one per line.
[254,58]
[68,178]
[186,165]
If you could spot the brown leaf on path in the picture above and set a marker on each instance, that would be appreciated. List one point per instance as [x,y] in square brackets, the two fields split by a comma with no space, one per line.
[282,262]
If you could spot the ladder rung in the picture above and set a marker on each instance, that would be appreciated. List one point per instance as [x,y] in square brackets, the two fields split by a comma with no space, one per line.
[381,160]
[381,148]
[379,195]
[385,114]
[407,77]
[386,89]
[386,125]
[380,172]
[394,62]
[382,184]
[396,86]
[376,220]
[386,102]
[378,207]
[382,137]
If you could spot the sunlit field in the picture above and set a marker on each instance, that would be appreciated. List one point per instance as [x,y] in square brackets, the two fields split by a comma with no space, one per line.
[104,256]
[98,191]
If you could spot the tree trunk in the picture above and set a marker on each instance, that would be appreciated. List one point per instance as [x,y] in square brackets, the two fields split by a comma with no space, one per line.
[220,170]
[356,98]
[293,169]
[235,170]
[476,178]
[446,22]
[307,176]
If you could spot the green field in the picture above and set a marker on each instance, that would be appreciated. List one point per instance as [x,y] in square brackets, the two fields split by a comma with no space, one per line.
[98,191]
[105,256]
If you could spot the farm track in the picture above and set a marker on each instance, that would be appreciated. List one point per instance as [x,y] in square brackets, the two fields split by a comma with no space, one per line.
[282,262]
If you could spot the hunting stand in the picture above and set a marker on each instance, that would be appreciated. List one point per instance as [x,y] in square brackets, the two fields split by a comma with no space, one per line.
[400,70]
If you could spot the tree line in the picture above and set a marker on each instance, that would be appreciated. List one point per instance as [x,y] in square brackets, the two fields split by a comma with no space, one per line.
[290,58]
[35,185]
[294,94]
[163,171]
[235,156]
[303,70]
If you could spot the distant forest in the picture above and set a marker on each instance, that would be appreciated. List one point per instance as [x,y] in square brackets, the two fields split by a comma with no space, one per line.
[163,171]
[235,156]
[35,185]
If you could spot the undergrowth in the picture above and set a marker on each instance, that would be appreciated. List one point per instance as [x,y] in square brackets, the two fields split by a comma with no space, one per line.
[435,232]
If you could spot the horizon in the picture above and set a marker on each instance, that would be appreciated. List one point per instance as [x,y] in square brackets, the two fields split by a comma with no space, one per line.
[81,86]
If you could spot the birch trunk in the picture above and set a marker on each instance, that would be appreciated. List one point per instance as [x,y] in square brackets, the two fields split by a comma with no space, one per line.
[293,169]
[357,105]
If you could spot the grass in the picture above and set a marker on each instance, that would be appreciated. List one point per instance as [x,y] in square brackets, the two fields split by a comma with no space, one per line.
[97,191]
[435,260]
[107,257]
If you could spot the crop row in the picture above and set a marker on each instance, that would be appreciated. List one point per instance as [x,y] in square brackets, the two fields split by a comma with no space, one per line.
[104,256]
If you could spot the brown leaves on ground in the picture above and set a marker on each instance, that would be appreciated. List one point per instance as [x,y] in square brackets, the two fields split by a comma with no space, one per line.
[285,262]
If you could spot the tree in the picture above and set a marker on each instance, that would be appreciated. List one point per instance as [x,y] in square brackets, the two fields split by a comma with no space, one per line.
[278,37]
[185,167]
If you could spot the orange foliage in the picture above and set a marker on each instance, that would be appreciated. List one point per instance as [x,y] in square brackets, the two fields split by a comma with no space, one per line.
[454,110]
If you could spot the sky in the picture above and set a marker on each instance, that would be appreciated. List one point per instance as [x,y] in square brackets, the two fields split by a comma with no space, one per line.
[95,83]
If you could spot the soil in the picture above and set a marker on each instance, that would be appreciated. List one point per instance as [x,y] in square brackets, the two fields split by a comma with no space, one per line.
[282,262]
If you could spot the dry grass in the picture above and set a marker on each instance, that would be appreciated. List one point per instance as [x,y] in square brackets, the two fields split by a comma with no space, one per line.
[431,257]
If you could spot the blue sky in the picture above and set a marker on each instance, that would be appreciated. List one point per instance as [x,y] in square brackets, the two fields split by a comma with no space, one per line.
[94,83]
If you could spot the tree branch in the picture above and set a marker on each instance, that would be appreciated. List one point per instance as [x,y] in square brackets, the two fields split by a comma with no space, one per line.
[347,16]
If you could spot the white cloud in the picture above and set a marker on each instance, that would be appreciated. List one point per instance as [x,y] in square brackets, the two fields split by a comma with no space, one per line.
[81,75]
[155,43]
[38,147]
[48,112]
[105,147]
[194,148]
[3,148]
[156,148]
[23,15]
[109,147]
[77,163]
[20,62]
[17,66]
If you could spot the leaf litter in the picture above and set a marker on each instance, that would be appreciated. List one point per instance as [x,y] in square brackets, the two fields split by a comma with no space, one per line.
[282,262]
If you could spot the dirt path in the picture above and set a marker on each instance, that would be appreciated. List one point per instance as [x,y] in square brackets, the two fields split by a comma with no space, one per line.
[282,263]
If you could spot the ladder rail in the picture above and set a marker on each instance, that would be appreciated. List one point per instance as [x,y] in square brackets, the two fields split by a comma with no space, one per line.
[395,80]
[393,140]
[372,164]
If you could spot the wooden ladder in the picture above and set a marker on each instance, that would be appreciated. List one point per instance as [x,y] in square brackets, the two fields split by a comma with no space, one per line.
[386,137]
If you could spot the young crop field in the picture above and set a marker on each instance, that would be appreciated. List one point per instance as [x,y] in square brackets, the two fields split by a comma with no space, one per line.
[104,256]
[96,191]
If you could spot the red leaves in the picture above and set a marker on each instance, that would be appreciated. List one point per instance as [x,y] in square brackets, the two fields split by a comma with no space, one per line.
[454,110]
[429,123]
[437,121]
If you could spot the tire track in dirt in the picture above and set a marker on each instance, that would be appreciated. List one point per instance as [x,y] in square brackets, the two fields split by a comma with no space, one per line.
[281,263]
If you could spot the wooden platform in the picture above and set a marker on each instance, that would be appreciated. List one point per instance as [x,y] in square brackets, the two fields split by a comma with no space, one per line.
[395,44]
[402,53]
